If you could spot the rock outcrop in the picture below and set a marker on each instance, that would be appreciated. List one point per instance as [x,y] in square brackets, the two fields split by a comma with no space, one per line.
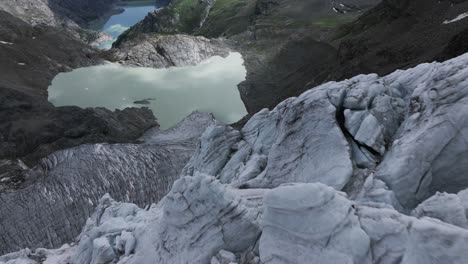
[162,51]
[33,12]
[56,12]
[69,16]
[60,193]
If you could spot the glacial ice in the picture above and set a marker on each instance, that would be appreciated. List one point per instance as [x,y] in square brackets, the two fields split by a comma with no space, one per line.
[367,170]
[69,184]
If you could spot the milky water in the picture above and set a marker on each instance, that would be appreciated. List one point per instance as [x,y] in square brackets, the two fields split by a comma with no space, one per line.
[118,23]
[171,93]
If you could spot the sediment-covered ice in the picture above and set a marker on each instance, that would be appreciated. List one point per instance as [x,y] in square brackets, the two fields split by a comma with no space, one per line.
[69,184]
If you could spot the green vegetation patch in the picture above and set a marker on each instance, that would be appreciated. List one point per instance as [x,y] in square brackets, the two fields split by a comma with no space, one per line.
[332,22]
[137,2]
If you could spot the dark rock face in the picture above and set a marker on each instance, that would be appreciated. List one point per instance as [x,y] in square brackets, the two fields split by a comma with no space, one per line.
[400,34]
[33,55]
[456,46]
[285,59]
[286,73]
[31,127]
[59,12]
[71,17]
[82,11]
[396,34]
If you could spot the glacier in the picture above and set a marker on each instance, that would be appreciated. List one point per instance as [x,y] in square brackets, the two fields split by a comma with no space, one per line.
[366,170]
[67,185]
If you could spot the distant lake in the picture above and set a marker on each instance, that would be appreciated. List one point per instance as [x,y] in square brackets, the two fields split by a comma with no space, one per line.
[134,12]
[171,93]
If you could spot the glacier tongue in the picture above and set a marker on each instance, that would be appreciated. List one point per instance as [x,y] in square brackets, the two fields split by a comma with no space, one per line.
[383,145]
[72,181]
[204,221]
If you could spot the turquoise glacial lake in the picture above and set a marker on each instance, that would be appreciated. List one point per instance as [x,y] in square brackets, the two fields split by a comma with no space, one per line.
[171,93]
[133,12]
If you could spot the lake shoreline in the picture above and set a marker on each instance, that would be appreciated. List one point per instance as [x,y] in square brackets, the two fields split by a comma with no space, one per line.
[170,93]
[122,16]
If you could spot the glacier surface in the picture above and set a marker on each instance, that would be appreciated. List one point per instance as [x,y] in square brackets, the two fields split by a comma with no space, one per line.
[367,170]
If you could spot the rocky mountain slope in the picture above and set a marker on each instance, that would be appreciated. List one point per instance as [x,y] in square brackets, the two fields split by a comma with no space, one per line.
[162,51]
[55,12]
[31,127]
[348,172]
[82,12]
[289,48]
[66,15]
[273,37]
[232,17]
[336,47]
[402,34]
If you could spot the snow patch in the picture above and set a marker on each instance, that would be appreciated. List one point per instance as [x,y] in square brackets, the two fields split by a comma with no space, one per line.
[458,18]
